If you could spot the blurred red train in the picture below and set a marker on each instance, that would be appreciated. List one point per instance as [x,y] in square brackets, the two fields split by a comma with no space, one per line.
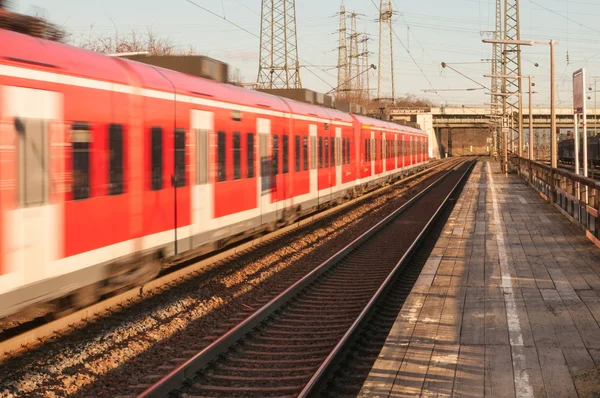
[103,161]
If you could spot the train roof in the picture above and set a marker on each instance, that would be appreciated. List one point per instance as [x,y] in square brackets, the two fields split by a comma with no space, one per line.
[56,57]
[382,124]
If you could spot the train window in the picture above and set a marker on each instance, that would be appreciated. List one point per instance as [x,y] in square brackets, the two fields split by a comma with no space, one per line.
[320,150]
[237,156]
[80,141]
[373,149]
[286,163]
[115,145]
[297,151]
[332,151]
[326,152]
[414,149]
[313,153]
[156,155]
[382,149]
[250,150]
[275,154]
[348,152]
[221,156]
[305,152]
[343,151]
[202,157]
[180,177]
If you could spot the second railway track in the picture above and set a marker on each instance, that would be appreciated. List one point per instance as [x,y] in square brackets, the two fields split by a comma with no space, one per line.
[288,346]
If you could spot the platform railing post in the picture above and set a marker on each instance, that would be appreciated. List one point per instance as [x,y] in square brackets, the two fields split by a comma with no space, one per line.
[552,187]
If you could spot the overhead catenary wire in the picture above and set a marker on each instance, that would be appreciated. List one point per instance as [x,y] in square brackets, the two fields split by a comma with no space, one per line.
[409,54]
[565,17]
[258,37]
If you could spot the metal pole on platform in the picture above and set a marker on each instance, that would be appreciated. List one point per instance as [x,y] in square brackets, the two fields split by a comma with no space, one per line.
[505,143]
[553,143]
[576,142]
[585,152]
[520,142]
[530,129]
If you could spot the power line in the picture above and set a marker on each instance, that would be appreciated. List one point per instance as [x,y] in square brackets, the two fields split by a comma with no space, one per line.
[565,17]
[411,32]
[223,18]
[256,36]
[410,55]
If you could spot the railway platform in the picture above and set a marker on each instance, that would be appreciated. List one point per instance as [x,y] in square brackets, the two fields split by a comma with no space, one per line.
[507,305]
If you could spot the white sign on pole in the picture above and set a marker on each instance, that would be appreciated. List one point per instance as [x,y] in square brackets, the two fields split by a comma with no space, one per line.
[579,91]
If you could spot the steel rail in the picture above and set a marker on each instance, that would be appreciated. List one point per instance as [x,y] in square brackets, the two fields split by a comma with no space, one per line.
[328,366]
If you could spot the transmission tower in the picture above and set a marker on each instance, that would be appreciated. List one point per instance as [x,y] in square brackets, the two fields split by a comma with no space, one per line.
[364,74]
[512,87]
[342,86]
[279,65]
[385,83]
[354,60]
[497,62]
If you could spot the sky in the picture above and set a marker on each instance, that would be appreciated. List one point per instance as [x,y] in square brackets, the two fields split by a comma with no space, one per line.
[426,33]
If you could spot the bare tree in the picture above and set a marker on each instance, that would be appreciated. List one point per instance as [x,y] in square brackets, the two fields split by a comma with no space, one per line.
[235,77]
[133,42]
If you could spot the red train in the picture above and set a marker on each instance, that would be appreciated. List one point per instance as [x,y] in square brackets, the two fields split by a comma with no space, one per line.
[104,161]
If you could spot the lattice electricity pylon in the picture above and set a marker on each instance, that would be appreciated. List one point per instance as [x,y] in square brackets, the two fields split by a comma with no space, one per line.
[354,60]
[497,69]
[512,87]
[342,85]
[279,65]
[364,76]
[386,92]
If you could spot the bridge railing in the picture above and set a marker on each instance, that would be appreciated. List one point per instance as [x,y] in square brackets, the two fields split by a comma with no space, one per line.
[576,196]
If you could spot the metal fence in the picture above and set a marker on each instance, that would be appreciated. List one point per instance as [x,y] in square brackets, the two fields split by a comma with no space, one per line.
[577,197]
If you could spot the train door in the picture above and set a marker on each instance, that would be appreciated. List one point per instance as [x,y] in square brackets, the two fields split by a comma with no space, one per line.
[32,230]
[383,153]
[268,207]
[338,163]
[373,154]
[314,172]
[396,151]
[202,126]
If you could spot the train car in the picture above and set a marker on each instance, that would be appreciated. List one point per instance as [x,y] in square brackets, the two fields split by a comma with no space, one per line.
[108,167]
[566,151]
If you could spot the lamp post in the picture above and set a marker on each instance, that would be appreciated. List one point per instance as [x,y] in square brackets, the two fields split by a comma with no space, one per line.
[595,98]
[504,128]
[551,43]
[531,84]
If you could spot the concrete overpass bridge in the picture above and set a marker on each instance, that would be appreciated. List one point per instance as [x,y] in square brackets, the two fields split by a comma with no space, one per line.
[455,128]
[477,117]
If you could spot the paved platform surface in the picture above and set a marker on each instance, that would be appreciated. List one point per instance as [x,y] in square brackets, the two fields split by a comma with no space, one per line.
[508,304]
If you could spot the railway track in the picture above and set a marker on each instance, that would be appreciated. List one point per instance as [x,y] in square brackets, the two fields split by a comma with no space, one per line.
[291,345]
[116,346]
[24,331]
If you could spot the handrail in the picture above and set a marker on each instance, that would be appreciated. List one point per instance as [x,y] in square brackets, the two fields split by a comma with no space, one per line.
[576,196]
